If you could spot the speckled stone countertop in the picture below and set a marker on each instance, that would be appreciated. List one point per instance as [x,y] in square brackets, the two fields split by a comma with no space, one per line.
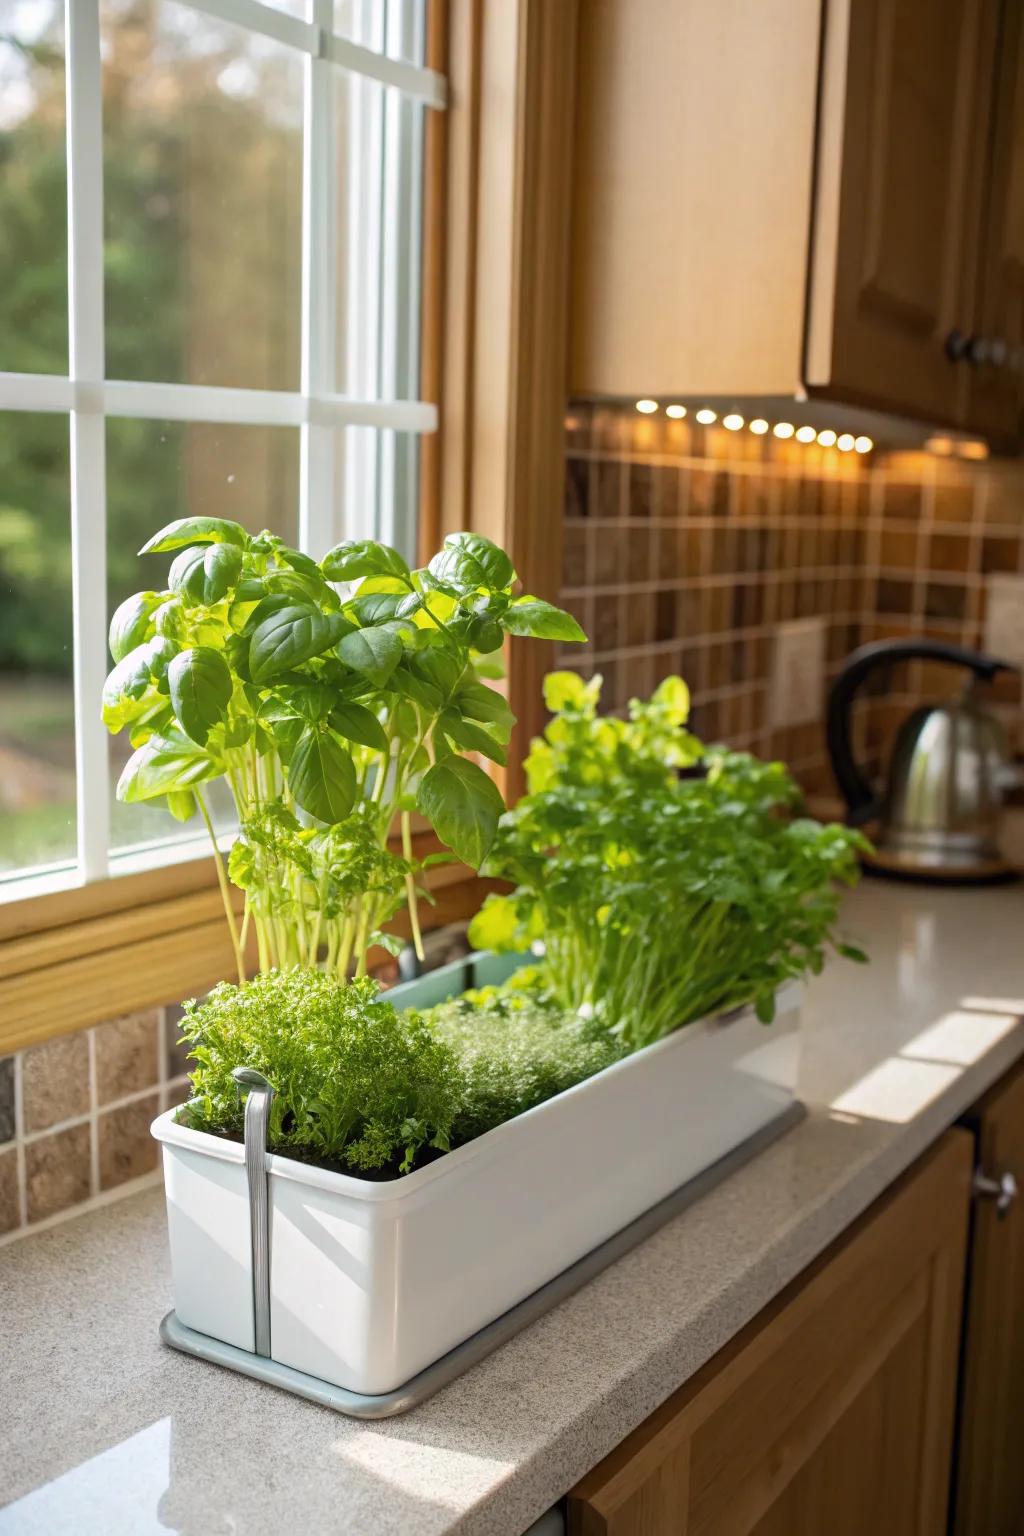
[102,1430]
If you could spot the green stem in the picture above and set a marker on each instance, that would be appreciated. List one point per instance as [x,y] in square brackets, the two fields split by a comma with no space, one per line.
[410,888]
[222,881]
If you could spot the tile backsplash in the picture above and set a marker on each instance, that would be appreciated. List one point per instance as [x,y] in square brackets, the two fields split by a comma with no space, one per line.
[75,1114]
[686,546]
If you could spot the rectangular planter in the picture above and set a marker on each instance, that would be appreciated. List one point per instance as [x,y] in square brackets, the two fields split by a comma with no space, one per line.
[371,1282]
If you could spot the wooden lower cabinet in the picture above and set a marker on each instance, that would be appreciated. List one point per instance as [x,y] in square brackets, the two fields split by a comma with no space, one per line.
[832,1413]
[989,1487]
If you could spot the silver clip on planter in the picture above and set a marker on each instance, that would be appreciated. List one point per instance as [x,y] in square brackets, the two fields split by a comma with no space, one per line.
[257,1121]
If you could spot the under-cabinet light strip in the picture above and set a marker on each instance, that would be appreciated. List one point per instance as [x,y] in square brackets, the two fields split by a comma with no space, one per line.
[845,442]
[88,437]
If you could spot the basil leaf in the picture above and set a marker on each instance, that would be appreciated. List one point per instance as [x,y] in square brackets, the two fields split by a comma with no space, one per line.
[182,804]
[468,561]
[130,622]
[357,723]
[376,607]
[126,690]
[205,573]
[362,557]
[462,805]
[532,616]
[373,652]
[201,688]
[164,763]
[196,530]
[472,738]
[322,776]
[482,703]
[289,636]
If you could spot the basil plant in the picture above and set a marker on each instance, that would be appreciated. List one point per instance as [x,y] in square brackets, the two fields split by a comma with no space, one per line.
[334,698]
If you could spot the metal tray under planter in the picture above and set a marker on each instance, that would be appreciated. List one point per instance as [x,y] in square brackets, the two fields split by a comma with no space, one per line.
[367,1297]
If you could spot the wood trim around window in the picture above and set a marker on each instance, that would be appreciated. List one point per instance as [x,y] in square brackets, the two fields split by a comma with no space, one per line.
[499,351]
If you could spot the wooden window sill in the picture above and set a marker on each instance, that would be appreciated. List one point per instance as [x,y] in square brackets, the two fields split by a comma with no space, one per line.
[80,957]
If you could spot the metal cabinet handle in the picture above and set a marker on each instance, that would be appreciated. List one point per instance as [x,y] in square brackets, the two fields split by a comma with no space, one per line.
[1003,1190]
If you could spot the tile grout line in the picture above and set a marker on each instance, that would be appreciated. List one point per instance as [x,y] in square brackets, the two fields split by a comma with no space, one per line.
[93,1203]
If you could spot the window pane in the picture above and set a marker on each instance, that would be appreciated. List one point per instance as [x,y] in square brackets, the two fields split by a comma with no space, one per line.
[394,27]
[33,188]
[380,147]
[203,191]
[156,472]
[37,730]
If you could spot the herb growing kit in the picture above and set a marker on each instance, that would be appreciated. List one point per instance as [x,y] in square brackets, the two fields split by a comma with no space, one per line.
[360,1184]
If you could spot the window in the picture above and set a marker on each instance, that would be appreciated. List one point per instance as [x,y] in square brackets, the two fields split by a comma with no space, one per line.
[209,301]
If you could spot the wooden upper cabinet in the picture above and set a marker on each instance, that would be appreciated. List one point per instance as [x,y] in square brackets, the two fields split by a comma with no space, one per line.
[831,1412]
[902,154]
[997,382]
[779,195]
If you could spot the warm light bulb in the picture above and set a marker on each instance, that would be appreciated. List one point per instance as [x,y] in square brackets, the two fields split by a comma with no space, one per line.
[805,434]
[706,417]
[845,442]
[677,412]
[732,422]
[783,429]
[863,444]
[647,407]
[974,449]
[943,446]
[826,438]
[759,427]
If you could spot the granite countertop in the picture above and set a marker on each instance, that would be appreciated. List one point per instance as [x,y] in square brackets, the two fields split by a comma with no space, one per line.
[102,1430]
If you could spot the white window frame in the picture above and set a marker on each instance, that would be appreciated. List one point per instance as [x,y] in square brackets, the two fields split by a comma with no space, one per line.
[380,478]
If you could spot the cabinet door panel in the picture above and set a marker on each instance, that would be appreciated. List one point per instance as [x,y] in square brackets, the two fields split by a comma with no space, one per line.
[833,1411]
[990,1470]
[899,198]
[997,388]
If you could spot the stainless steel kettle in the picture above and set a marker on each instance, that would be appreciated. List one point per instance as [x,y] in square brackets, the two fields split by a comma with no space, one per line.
[949,772]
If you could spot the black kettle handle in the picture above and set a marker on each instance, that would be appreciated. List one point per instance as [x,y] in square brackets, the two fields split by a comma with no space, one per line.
[857,791]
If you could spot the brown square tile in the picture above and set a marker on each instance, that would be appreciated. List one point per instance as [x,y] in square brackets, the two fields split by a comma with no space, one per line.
[605,626]
[665,491]
[639,620]
[577,488]
[127,1055]
[948,552]
[641,490]
[954,502]
[688,612]
[899,548]
[902,500]
[638,555]
[664,615]
[1004,497]
[57,1172]
[894,595]
[10,1209]
[127,1150]
[6,1099]
[1000,555]
[574,555]
[606,556]
[55,1081]
[945,600]
[611,482]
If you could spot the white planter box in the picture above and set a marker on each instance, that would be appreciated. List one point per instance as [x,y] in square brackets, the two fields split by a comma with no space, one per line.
[371,1282]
